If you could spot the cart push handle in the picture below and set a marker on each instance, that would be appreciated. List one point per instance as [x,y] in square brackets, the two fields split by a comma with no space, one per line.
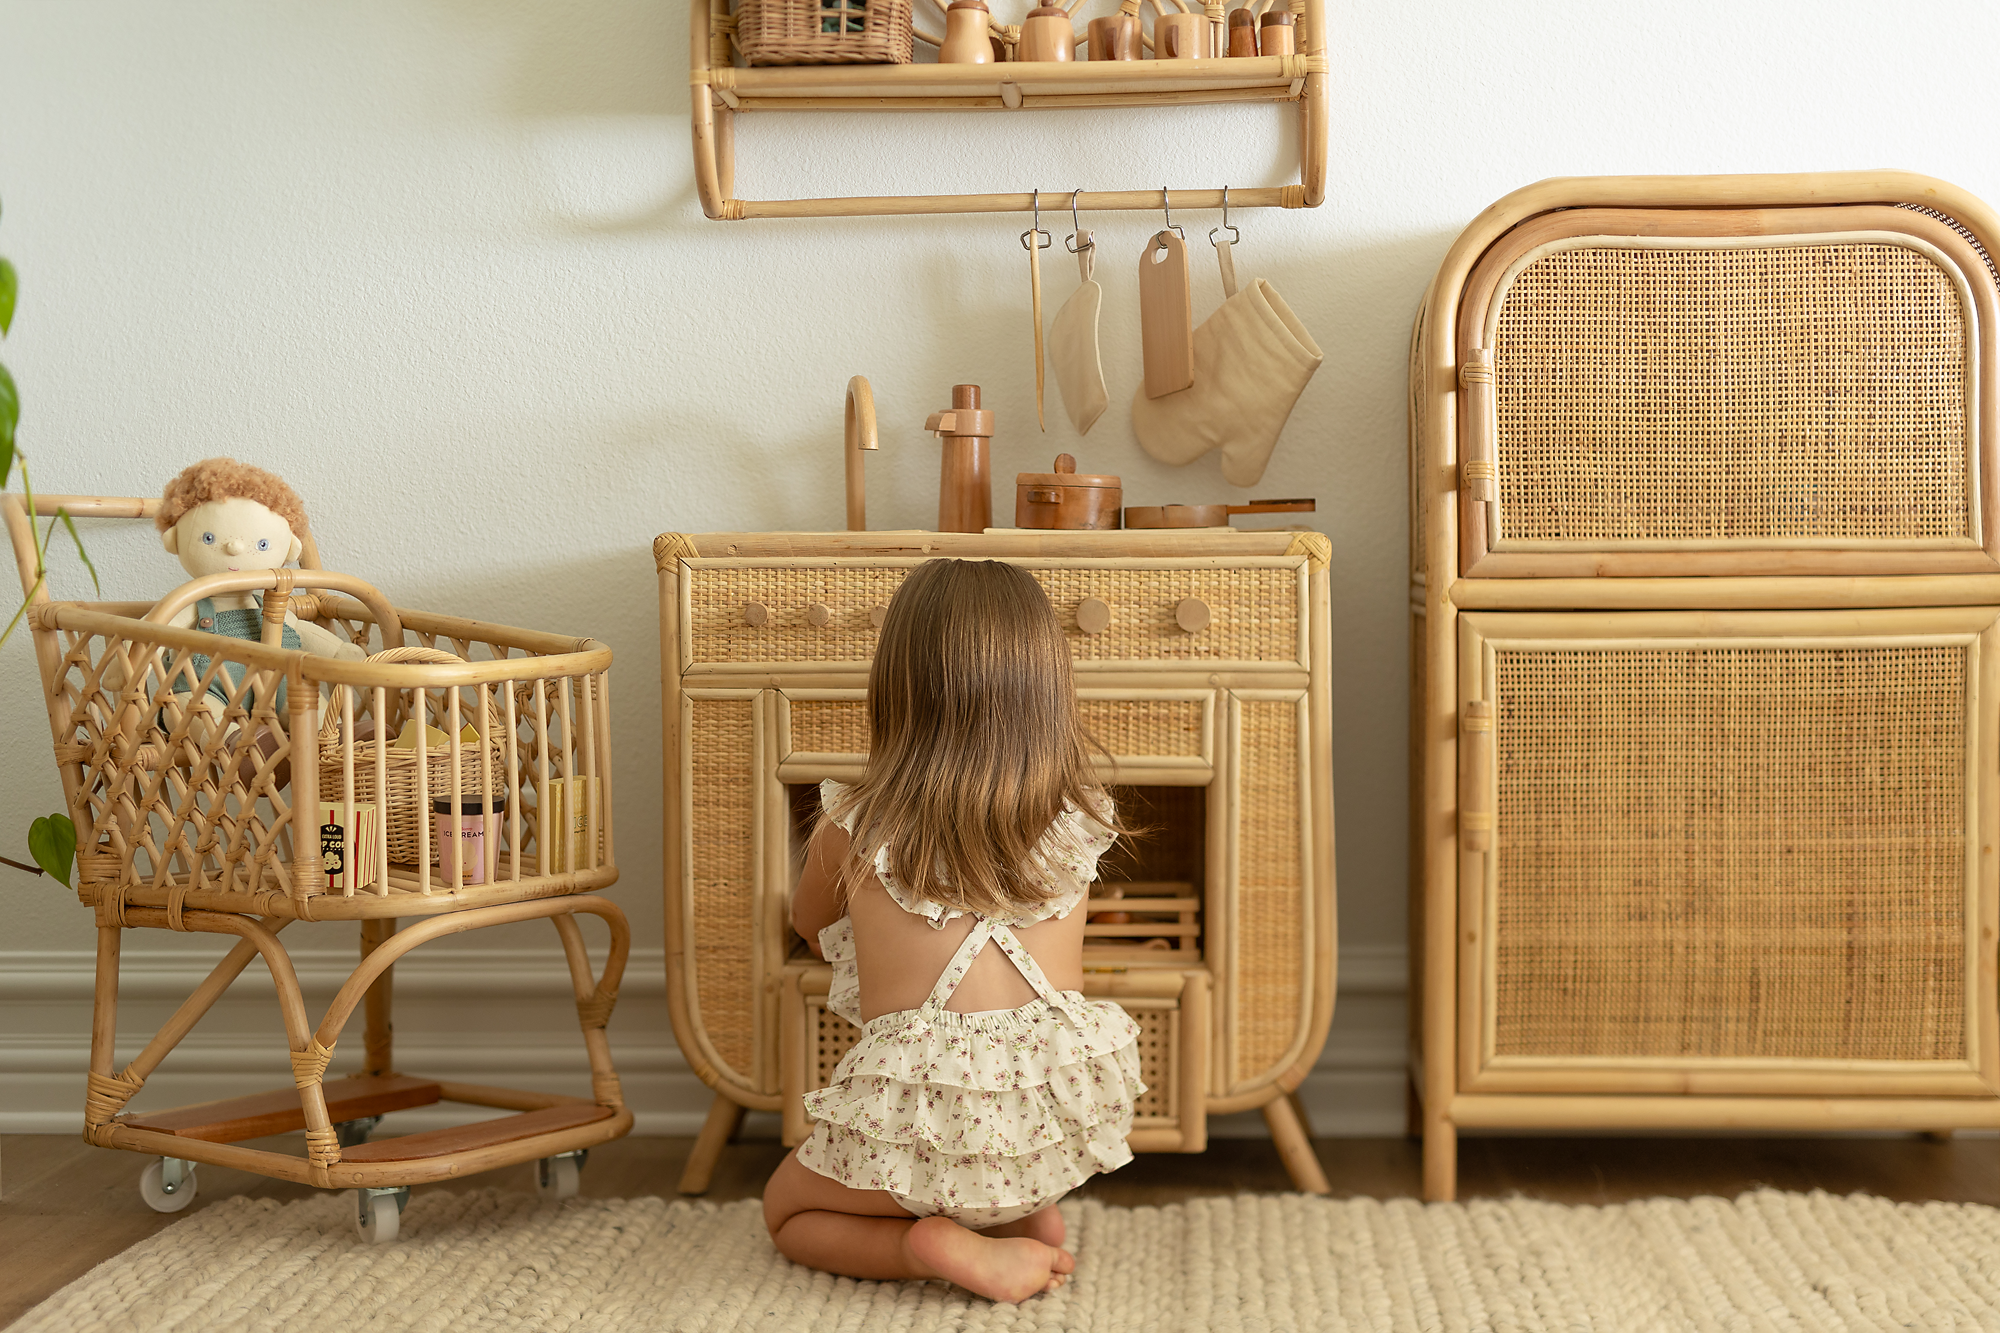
[284,580]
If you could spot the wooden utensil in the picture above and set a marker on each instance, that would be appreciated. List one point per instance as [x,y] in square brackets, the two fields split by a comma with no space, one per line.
[1166,315]
[1073,344]
[1046,34]
[1066,498]
[1207,516]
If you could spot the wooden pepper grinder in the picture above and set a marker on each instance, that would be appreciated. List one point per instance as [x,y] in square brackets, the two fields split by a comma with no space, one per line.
[965,482]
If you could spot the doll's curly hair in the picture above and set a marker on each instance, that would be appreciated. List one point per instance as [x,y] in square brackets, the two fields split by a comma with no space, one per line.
[227,479]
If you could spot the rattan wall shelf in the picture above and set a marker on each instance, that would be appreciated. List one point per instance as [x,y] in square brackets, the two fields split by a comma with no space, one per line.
[1224,733]
[720,90]
[1706,660]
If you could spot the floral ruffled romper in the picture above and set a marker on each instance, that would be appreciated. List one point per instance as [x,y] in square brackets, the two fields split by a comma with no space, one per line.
[980,1117]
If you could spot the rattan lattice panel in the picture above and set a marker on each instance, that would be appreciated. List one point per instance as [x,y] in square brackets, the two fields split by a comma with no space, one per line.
[1255,613]
[1270,944]
[721,743]
[1731,852]
[829,726]
[831,1037]
[1740,393]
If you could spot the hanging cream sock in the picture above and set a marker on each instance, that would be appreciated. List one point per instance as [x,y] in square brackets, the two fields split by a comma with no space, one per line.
[1073,346]
[1252,360]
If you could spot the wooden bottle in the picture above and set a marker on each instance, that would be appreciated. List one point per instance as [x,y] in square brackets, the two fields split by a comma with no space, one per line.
[966,40]
[965,480]
[1046,34]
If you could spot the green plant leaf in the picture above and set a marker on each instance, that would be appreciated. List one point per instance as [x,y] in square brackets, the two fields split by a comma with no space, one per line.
[52,842]
[10,287]
[82,554]
[10,413]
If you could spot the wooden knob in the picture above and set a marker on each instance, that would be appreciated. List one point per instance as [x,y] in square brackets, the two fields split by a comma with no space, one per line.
[877,614]
[1192,614]
[817,615]
[756,614]
[1065,463]
[1093,615]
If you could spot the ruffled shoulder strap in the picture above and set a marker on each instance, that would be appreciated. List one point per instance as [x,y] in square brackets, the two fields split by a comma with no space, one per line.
[936,914]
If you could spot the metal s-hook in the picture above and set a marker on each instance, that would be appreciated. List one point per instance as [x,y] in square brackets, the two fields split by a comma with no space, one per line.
[1076,228]
[1167,207]
[1234,234]
[1046,239]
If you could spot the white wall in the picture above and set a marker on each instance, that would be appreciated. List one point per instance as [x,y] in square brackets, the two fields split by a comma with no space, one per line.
[439,262]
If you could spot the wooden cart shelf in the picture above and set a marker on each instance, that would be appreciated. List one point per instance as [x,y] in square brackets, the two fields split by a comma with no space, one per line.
[720,90]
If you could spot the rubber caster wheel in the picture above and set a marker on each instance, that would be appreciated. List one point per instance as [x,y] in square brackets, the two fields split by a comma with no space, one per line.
[354,1133]
[378,1214]
[167,1185]
[559,1177]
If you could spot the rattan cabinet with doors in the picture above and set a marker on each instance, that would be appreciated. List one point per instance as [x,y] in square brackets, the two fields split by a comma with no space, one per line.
[1706,594]
[1202,666]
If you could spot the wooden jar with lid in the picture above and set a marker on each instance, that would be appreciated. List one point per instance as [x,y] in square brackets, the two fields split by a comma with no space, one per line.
[1067,499]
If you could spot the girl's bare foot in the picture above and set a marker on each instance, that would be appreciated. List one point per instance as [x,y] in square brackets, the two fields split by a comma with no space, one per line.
[1005,1269]
[1045,1226]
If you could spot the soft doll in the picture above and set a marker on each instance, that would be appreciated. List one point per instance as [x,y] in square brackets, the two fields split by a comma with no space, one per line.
[220,517]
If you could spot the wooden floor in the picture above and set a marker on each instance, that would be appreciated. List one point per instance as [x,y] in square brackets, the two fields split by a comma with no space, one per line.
[65,1206]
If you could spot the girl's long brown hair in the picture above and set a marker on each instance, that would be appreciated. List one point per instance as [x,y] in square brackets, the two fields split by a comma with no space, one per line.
[975,743]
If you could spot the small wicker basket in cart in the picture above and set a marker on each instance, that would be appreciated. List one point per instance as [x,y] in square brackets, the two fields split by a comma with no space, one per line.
[324,802]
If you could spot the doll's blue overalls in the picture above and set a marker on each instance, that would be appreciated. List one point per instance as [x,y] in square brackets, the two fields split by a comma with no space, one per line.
[239,624]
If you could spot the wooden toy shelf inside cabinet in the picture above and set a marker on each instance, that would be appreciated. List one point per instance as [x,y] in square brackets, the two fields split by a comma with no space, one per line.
[223,828]
[1220,735]
[720,90]
[1706,582]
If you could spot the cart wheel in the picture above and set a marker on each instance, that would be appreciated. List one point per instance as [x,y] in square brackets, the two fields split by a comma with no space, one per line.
[164,1190]
[378,1214]
[353,1133]
[558,1177]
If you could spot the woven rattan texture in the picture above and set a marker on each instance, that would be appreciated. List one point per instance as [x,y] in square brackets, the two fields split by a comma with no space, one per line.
[1810,391]
[1269,967]
[824,32]
[721,743]
[1255,613]
[1171,727]
[1971,238]
[409,811]
[832,1037]
[1723,852]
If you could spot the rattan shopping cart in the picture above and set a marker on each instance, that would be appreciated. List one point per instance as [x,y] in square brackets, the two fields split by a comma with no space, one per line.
[312,798]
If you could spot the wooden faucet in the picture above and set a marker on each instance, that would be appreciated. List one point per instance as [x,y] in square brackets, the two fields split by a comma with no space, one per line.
[965,482]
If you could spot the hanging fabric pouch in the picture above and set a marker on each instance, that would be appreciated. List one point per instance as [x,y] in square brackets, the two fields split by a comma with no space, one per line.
[1073,345]
[1252,360]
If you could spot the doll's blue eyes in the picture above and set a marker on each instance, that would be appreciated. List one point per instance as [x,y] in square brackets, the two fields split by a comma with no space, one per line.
[263,543]
[208,539]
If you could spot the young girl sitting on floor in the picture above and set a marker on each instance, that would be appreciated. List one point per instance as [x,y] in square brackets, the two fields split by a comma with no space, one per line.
[946,888]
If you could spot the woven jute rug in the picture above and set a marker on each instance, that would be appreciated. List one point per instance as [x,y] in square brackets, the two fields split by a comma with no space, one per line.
[486,1260]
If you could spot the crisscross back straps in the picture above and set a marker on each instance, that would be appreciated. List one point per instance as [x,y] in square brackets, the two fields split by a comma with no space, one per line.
[1024,962]
[961,963]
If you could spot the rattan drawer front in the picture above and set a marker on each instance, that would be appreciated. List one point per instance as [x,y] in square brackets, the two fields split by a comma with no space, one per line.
[1150,734]
[1170,1056]
[1812,397]
[1732,853]
[1255,611]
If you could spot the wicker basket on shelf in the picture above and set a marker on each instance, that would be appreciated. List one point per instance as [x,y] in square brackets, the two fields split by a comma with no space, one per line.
[407,808]
[824,32]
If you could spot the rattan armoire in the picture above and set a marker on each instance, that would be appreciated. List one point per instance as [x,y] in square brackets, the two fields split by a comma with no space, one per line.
[1706,653]
[1202,666]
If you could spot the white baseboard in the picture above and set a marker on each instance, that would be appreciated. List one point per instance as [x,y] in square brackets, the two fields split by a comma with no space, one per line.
[508,1023]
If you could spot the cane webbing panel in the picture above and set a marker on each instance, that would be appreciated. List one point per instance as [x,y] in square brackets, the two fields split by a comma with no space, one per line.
[1722,852]
[1270,941]
[830,1037]
[1170,727]
[721,741]
[1767,392]
[829,726]
[1254,613]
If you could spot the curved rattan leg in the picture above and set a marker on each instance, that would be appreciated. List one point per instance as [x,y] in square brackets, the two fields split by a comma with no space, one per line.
[1288,1132]
[725,1117]
[595,1000]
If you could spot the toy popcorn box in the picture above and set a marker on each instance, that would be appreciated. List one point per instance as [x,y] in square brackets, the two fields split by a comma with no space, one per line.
[350,854]
[572,807]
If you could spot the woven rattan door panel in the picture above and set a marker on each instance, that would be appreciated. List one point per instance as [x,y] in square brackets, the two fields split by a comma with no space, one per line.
[1730,853]
[751,616]
[1744,391]
[1170,1116]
